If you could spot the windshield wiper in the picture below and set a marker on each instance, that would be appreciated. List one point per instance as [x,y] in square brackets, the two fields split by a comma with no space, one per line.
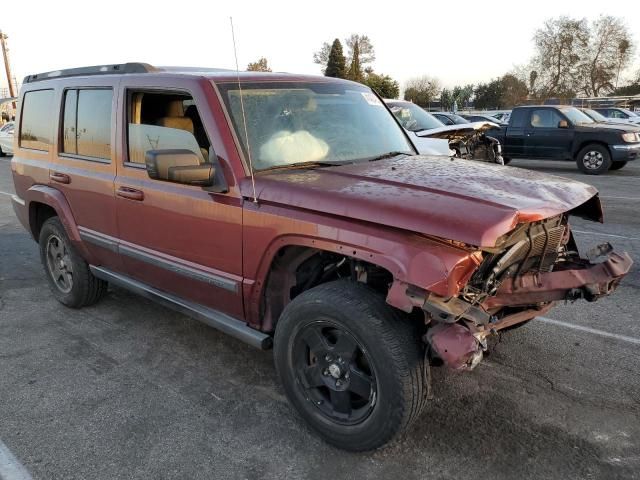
[293,166]
[384,155]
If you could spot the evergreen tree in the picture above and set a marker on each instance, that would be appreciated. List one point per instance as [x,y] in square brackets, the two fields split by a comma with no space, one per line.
[336,64]
[355,70]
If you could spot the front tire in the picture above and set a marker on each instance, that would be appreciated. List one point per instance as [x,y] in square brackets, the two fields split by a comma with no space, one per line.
[351,365]
[594,159]
[68,274]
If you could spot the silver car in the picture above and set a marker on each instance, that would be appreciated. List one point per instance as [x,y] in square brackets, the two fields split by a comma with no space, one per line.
[6,139]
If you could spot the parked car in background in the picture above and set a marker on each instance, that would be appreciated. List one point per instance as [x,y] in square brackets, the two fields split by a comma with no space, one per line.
[482,117]
[620,114]
[565,133]
[6,138]
[450,118]
[599,118]
[468,140]
[292,211]
[501,115]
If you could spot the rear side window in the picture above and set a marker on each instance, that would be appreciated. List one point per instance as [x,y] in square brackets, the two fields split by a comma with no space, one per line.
[518,118]
[86,128]
[36,120]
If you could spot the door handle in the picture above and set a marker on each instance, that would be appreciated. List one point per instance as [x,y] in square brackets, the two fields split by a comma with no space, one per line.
[60,177]
[130,193]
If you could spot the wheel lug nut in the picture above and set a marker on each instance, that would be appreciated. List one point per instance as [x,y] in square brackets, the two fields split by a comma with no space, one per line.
[328,357]
[325,372]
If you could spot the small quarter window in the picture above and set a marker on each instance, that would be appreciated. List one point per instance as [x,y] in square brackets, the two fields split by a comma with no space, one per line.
[37,116]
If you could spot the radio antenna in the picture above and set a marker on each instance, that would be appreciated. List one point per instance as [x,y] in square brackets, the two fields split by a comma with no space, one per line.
[244,117]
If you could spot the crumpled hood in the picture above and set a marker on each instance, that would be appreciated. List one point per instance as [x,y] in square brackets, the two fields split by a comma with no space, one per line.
[453,199]
[459,131]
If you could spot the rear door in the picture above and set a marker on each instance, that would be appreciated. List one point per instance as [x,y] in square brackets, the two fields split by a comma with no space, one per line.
[515,133]
[544,138]
[181,239]
[83,167]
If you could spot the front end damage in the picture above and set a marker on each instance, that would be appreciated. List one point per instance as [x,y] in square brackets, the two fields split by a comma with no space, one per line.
[470,141]
[531,269]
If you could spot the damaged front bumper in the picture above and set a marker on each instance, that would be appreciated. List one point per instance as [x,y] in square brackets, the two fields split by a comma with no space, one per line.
[458,330]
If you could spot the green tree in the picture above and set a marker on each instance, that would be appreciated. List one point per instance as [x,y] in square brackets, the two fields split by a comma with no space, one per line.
[355,69]
[488,95]
[336,63]
[514,91]
[446,99]
[260,66]
[384,85]
[363,56]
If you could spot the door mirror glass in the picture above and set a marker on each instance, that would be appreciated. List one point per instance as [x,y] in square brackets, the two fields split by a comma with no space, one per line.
[563,124]
[179,166]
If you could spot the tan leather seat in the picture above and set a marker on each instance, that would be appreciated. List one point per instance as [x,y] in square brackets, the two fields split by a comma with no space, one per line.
[179,123]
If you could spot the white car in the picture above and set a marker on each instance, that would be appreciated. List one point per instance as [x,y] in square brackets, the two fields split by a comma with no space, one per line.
[620,115]
[6,139]
[431,137]
[414,119]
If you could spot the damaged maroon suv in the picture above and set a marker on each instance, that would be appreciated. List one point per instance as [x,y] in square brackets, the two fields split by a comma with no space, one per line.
[292,211]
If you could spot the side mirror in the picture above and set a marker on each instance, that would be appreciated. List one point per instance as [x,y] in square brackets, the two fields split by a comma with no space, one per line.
[563,124]
[179,166]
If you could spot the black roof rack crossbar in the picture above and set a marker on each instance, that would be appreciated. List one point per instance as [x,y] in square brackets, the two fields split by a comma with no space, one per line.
[95,70]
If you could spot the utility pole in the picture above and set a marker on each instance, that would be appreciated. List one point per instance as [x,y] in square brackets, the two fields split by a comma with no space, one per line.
[7,68]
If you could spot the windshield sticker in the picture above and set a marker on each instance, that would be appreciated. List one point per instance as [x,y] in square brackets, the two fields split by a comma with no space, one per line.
[371,98]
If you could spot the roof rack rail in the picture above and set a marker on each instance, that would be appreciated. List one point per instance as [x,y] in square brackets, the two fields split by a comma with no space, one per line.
[94,70]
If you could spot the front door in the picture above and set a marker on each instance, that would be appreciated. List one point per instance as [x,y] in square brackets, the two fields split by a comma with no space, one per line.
[181,239]
[544,138]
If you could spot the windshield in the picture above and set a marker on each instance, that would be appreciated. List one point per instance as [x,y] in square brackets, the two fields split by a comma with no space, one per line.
[291,123]
[598,117]
[412,117]
[575,115]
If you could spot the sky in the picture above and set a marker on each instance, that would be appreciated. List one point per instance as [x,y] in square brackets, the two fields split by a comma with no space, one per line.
[457,41]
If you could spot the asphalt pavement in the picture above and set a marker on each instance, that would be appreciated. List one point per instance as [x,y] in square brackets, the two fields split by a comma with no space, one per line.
[129,389]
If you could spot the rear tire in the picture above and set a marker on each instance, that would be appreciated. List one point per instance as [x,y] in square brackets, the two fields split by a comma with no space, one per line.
[594,159]
[68,274]
[351,365]
[617,165]
[2,154]
[507,161]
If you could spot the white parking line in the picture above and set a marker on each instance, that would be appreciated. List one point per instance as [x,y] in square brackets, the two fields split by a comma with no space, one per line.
[605,234]
[10,467]
[7,194]
[602,333]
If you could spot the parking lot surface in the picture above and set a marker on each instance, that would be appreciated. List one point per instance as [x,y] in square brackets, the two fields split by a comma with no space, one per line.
[129,389]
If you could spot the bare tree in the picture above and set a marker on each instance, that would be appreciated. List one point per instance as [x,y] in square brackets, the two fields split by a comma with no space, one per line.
[366,51]
[422,90]
[321,57]
[559,45]
[608,51]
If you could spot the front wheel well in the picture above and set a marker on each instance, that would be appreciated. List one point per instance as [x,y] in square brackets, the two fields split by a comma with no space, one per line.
[38,214]
[585,143]
[296,269]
